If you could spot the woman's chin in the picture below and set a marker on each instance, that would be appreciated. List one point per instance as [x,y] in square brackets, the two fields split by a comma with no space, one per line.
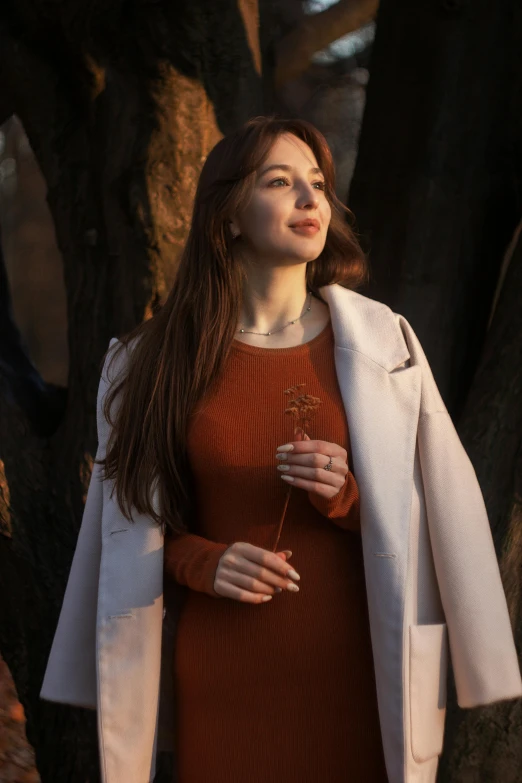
[302,252]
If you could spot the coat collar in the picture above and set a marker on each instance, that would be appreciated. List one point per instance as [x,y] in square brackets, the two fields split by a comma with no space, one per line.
[364,325]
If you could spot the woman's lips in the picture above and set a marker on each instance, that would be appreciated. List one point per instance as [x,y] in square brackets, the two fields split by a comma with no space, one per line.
[306,230]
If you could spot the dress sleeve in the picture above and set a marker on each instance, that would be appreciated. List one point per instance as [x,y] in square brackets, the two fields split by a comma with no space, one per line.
[192,560]
[342,508]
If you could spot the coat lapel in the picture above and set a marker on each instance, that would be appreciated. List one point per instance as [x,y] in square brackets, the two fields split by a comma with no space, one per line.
[381,396]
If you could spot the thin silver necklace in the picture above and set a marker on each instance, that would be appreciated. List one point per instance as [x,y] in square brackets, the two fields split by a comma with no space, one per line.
[265,334]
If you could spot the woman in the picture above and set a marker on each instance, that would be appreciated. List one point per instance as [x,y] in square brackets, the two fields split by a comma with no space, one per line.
[305,632]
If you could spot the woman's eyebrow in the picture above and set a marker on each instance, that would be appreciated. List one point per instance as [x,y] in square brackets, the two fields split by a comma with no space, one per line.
[286,167]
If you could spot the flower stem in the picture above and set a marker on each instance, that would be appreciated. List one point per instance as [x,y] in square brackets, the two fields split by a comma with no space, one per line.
[279,529]
[299,436]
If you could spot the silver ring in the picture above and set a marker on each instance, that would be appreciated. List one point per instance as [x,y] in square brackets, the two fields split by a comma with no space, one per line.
[329,466]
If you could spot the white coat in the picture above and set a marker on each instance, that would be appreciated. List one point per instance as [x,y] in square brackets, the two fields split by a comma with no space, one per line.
[432,577]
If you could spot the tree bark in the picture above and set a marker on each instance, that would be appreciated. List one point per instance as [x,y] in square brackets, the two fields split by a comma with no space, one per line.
[436,186]
[121,104]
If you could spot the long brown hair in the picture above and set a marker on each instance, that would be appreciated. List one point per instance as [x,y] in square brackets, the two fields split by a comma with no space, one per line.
[181,351]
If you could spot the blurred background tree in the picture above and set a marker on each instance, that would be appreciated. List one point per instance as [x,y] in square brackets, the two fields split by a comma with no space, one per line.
[106,116]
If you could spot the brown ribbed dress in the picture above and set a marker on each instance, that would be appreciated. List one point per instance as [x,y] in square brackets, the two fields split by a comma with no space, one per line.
[280,692]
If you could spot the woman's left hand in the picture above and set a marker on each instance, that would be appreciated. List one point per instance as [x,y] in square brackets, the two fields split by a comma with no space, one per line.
[306,462]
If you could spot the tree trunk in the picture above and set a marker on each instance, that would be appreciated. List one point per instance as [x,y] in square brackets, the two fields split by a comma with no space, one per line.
[121,104]
[436,188]
[484,743]
[436,193]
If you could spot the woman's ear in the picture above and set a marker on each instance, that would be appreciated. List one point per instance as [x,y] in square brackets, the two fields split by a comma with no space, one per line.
[234,229]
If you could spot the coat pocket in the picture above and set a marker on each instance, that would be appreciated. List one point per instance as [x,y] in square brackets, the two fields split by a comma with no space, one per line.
[428,670]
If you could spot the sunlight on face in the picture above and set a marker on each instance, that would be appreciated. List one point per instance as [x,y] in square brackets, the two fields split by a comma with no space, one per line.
[289,192]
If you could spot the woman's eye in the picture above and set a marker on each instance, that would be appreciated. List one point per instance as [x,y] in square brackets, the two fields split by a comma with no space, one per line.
[321,183]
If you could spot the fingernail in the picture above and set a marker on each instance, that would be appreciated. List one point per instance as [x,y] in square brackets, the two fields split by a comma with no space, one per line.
[287,478]
[266,598]
[287,552]
[286,447]
[278,589]
[293,574]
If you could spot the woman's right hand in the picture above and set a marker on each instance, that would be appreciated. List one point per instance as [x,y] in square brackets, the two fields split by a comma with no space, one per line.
[249,573]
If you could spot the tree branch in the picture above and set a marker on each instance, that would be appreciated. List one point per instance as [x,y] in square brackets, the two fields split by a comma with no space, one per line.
[315,32]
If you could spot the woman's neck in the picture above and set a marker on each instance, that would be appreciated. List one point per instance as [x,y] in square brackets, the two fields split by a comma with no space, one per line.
[295,334]
[268,309]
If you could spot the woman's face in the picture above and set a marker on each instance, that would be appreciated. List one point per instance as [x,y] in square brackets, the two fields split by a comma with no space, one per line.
[288,189]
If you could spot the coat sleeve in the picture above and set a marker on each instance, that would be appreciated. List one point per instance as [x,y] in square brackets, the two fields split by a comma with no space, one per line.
[70,675]
[483,652]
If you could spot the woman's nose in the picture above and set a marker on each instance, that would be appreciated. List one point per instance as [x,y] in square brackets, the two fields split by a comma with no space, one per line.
[308,198]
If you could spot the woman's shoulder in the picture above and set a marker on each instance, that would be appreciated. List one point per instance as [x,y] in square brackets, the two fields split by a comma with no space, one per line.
[368,326]
[117,358]
[360,305]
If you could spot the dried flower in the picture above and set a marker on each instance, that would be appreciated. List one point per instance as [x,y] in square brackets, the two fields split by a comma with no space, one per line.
[302,409]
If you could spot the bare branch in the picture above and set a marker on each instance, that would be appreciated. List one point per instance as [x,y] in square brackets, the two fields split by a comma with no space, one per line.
[295,50]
